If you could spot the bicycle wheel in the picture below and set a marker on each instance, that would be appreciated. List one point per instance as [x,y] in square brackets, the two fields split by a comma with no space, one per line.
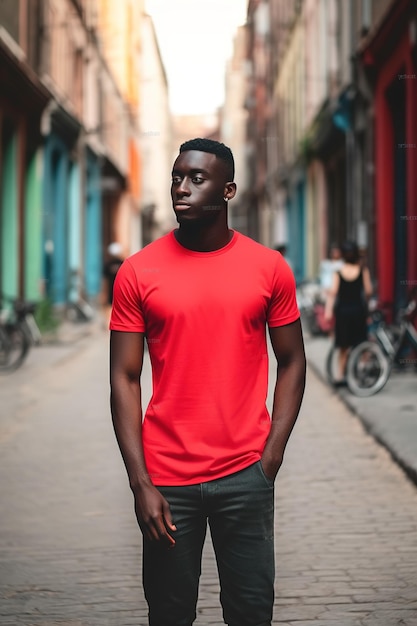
[14,346]
[368,369]
[332,366]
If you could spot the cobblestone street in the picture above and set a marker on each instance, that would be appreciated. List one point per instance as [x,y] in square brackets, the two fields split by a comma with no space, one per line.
[70,550]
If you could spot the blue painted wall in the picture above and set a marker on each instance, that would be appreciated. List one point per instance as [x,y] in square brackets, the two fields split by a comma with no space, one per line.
[92,228]
[9,225]
[297,230]
[33,227]
[74,234]
[74,256]
[55,237]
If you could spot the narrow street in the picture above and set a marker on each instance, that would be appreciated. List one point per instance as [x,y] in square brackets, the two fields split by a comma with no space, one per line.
[70,550]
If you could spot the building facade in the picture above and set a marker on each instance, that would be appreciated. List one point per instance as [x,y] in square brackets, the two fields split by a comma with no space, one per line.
[70,162]
[331,134]
[23,98]
[120,34]
[388,61]
[233,123]
[156,140]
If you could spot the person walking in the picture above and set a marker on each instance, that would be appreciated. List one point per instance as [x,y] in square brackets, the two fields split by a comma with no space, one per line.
[329,266]
[207,451]
[347,300]
[110,269]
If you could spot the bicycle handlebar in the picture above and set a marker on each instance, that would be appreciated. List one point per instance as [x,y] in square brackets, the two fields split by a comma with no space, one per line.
[21,307]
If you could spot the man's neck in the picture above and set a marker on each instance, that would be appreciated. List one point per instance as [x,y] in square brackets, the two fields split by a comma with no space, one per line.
[203,239]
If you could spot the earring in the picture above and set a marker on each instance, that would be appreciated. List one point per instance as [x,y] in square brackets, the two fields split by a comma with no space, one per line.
[226,199]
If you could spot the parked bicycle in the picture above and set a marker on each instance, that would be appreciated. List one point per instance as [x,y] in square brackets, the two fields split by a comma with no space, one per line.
[78,309]
[370,363]
[375,319]
[18,332]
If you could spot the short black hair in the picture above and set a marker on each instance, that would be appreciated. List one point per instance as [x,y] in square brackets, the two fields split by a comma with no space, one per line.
[350,252]
[281,247]
[213,147]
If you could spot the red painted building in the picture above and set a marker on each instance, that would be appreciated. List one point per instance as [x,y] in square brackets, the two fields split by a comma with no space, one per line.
[389,57]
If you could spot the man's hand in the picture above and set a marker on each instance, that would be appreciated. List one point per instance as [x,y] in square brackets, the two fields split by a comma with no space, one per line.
[270,465]
[154,515]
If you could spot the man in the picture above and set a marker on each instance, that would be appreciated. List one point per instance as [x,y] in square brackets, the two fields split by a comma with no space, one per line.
[207,451]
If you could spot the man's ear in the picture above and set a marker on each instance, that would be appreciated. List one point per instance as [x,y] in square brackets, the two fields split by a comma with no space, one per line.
[229,190]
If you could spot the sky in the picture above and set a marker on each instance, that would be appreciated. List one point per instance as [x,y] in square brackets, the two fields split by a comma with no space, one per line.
[195,39]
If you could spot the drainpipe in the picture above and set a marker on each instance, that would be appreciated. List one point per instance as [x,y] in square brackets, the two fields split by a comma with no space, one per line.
[351,205]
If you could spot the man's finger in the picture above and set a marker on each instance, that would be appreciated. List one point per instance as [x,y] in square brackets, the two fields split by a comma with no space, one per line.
[168,517]
[162,534]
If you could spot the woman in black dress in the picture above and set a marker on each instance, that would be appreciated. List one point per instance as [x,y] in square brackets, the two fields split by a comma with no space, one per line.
[347,301]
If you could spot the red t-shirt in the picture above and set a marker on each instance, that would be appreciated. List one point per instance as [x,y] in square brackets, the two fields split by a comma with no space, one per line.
[205,317]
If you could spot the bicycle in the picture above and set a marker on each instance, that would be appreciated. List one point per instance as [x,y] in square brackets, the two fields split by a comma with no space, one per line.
[370,363]
[78,309]
[18,332]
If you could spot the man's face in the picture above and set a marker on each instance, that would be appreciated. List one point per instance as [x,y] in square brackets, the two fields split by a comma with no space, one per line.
[198,187]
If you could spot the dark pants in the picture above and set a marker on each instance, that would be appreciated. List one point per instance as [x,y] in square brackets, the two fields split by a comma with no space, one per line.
[240,512]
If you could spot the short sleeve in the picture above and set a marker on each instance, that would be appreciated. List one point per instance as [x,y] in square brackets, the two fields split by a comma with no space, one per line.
[127,314]
[283,307]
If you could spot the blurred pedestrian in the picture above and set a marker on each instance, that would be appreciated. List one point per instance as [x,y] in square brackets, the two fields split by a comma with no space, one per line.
[283,249]
[347,300]
[329,266]
[208,451]
[110,269]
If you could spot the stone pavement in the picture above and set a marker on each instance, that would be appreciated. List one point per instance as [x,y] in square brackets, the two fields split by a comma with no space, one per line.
[390,415]
[346,515]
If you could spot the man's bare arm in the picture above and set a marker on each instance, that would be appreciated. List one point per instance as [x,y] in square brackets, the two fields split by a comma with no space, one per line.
[126,359]
[288,346]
